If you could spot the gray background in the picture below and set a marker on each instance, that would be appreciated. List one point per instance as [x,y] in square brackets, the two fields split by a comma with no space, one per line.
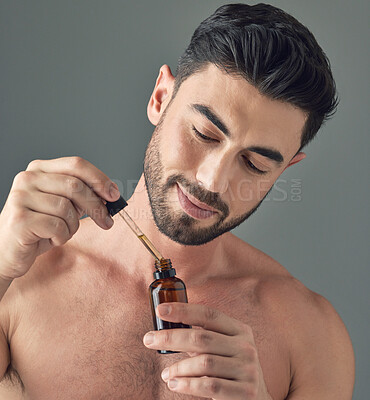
[75,78]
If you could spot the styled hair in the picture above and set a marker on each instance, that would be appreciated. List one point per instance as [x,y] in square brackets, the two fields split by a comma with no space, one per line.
[272,51]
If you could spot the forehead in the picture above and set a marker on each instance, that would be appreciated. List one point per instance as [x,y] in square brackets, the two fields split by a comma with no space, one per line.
[245,111]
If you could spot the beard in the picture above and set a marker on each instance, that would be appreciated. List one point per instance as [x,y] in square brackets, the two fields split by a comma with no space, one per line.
[177,225]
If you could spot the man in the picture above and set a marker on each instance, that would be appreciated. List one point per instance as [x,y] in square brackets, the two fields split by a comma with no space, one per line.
[250,92]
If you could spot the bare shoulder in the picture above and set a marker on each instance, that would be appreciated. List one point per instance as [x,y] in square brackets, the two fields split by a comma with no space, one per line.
[321,353]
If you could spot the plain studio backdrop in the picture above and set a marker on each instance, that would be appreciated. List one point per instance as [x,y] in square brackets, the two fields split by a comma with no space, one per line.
[75,78]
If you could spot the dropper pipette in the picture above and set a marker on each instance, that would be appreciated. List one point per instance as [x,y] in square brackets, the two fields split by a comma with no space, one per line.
[118,207]
[144,240]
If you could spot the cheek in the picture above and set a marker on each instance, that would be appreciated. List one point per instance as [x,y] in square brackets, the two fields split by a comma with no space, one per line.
[179,151]
[247,192]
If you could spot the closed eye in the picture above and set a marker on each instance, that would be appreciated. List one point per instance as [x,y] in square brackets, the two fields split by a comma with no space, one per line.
[249,164]
[252,167]
[203,137]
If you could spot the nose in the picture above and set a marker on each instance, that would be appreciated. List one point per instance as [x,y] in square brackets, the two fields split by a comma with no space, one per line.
[214,173]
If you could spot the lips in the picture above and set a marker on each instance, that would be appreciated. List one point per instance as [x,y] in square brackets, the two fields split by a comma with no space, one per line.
[198,210]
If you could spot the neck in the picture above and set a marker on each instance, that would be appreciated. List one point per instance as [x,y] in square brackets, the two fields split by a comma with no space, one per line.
[192,263]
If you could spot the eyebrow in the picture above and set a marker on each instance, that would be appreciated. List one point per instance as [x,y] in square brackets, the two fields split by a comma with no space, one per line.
[210,115]
[267,152]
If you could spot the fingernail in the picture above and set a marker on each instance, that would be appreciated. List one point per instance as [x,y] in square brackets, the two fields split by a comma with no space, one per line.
[164,309]
[165,374]
[148,338]
[172,383]
[109,222]
[113,191]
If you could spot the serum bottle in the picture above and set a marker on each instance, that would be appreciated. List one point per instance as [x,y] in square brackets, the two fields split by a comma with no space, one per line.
[166,288]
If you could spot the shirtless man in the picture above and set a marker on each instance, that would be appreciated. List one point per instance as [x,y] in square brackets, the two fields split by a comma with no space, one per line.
[75,314]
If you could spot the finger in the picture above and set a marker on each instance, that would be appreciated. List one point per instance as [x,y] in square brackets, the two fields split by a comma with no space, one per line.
[192,340]
[84,199]
[206,364]
[44,226]
[199,315]
[53,205]
[81,169]
[215,388]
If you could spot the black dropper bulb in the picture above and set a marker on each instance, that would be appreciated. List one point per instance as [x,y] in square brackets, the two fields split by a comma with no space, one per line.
[114,207]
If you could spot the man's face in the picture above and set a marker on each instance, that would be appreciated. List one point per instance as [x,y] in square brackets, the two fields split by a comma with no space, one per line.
[200,165]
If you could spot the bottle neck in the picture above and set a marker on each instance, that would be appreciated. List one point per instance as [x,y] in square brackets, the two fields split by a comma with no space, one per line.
[163,269]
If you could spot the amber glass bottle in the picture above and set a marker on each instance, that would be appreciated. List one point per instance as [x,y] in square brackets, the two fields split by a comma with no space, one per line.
[166,288]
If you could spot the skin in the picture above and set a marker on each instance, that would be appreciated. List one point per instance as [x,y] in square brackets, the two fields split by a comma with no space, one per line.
[258,333]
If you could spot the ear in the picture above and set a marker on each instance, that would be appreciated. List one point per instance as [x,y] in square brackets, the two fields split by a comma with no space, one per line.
[297,158]
[161,94]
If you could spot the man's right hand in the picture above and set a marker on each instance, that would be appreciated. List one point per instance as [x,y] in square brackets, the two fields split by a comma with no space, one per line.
[44,206]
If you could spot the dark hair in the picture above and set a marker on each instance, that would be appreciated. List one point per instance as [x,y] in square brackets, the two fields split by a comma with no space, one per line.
[272,51]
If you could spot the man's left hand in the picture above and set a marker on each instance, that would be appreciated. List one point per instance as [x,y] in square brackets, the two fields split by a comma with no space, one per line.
[223,363]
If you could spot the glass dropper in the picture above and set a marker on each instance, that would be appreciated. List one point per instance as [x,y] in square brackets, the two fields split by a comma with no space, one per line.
[118,207]
[144,240]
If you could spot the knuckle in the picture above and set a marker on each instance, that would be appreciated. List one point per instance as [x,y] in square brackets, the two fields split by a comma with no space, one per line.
[251,353]
[247,351]
[248,330]
[166,336]
[23,178]
[32,165]
[181,309]
[175,370]
[211,314]
[73,185]
[199,338]
[16,197]
[18,179]
[207,362]
[18,217]
[213,386]
[63,205]
[76,162]
[250,373]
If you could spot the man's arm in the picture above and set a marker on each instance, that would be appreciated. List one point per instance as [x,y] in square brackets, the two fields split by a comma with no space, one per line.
[323,363]
[42,211]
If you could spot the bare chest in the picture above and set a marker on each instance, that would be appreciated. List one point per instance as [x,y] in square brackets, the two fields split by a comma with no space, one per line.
[90,347]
